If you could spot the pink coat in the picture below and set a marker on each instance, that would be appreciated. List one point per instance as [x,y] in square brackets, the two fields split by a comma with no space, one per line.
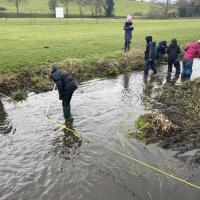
[192,51]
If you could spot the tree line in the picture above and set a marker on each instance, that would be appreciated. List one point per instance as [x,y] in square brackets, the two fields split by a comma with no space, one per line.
[178,8]
[97,7]
[188,8]
[160,9]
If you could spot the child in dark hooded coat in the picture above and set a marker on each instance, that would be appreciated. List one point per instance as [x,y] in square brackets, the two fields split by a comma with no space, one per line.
[161,49]
[173,52]
[128,28]
[150,55]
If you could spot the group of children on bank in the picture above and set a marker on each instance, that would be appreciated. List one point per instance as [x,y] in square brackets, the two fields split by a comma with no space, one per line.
[66,85]
[154,53]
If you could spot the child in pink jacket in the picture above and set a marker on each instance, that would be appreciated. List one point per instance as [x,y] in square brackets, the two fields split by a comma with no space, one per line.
[191,51]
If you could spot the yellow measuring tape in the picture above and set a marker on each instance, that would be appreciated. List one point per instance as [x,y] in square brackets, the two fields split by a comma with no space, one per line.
[113,150]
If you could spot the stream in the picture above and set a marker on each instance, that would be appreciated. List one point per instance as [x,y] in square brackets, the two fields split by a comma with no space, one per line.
[39,161]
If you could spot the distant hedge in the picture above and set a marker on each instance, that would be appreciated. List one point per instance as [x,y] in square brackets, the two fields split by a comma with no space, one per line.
[3,9]
[40,15]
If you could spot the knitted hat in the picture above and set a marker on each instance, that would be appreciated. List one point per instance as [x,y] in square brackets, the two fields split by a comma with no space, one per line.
[129,18]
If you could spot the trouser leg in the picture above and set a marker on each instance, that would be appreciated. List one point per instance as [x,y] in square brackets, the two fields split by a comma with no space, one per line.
[183,70]
[177,65]
[170,63]
[66,106]
[146,68]
[66,110]
[126,44]
[129,44]
[187,69]
[153,67]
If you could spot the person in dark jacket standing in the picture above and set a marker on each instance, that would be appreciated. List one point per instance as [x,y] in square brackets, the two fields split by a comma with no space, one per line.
[150,55]
[161,49]
[173,52]
[128,28]
[66,87]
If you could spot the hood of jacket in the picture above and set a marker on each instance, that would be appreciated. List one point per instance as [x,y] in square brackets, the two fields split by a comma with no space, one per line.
[149,39]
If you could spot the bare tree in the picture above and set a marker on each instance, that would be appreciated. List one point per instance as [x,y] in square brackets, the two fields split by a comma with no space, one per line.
[66,5]
[52,5]
[96,7]
[188,8]
[81,4]
[109,7]
[17,2]
[165,6]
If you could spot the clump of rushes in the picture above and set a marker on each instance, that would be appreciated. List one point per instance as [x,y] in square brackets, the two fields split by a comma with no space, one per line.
[142,125]
[41,83]
[154,127]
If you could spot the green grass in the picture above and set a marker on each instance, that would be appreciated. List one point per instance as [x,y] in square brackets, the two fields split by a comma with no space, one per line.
[23,41]
[122,7]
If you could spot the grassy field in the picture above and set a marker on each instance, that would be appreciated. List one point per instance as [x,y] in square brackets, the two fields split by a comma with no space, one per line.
[31,43]
[122,7]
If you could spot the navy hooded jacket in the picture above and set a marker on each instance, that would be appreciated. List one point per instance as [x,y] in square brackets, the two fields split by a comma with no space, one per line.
[64,83]
[173,51]
[128,28]
[161,48]
[150,53]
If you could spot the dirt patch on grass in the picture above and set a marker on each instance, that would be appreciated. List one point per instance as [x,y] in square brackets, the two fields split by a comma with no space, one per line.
[176,125]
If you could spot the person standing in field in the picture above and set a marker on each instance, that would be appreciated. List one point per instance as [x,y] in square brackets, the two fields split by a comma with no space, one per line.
[66,87]
[191,51]
[150,56]
[128,28]
[173,52]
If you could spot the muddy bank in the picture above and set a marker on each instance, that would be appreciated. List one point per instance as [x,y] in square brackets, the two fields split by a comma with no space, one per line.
[17,84]
[176,124]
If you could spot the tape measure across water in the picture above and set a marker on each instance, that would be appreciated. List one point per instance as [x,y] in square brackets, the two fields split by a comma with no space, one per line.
[78,134]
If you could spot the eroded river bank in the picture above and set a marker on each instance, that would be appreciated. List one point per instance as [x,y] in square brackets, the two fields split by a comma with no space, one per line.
[37,161]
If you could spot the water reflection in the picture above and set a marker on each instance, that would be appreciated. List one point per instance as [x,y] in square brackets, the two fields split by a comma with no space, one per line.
[172,81]
[68,144]
[5,125]
[148,86]
[3,114]
[126,79]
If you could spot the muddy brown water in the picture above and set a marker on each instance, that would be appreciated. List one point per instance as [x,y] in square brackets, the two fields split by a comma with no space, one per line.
[37,160]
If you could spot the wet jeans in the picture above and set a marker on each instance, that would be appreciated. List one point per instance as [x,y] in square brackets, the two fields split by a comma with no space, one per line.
[150,65]
[186,69]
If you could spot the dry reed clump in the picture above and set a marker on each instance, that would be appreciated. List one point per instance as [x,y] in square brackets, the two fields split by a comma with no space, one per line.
[153,127]
[162,125]
[102,64]
[133,58]
[72,66]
